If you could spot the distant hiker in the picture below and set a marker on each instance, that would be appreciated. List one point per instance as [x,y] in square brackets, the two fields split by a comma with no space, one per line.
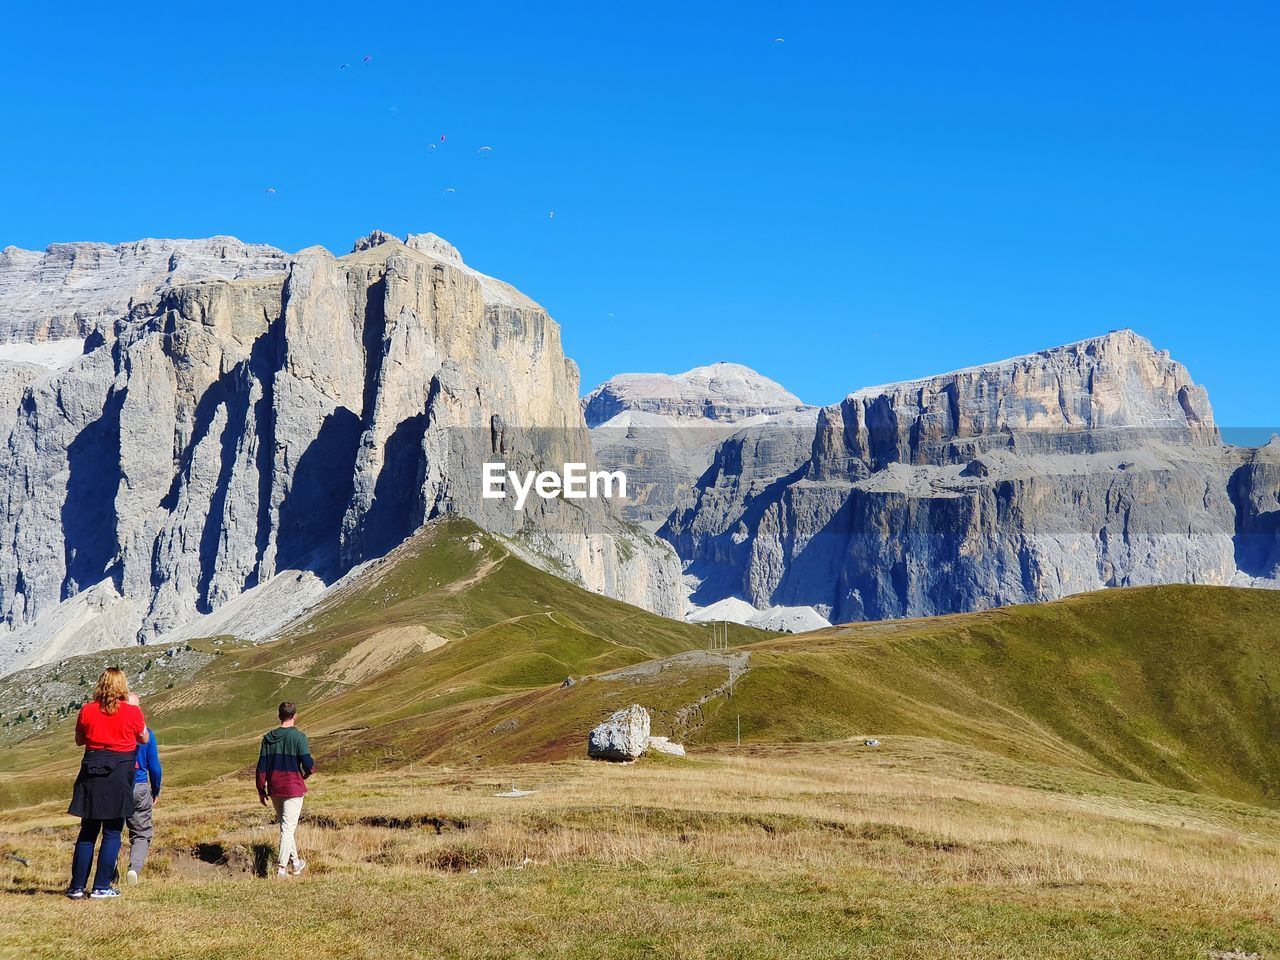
[146,791]
[284,763]
[110,729]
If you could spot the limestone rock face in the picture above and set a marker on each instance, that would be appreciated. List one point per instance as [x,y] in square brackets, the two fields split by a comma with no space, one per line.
[663,431]
[70,288]
[624,736]
[1092,465]
[1255,490]
[290,421]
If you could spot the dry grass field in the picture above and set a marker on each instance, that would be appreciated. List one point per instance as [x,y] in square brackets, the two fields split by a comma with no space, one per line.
[917,849]
[1094,777]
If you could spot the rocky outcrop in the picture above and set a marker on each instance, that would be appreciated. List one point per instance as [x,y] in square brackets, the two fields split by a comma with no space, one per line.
[71,288]
[624,736]
[663,431]
[1255,491]
[1092,465]
[228,439]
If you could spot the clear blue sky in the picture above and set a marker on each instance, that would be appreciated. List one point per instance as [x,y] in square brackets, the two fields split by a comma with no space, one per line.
[898,189]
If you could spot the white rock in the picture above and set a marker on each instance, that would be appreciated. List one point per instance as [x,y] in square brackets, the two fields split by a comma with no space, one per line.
[624,736]
[664,745]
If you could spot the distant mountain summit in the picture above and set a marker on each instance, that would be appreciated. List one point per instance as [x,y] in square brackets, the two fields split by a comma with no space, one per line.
[663,429]
[719,392]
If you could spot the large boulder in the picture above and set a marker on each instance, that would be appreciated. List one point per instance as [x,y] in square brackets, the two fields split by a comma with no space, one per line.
[624,736]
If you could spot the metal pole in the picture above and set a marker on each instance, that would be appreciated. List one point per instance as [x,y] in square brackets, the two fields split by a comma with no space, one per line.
[739,729]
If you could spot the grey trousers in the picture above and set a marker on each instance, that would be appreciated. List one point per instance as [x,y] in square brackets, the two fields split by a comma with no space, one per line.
[141,829]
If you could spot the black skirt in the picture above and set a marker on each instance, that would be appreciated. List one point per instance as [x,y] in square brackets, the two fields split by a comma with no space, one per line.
[104,788]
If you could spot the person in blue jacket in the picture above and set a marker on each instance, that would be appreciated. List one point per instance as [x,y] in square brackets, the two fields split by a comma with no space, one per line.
[146,790]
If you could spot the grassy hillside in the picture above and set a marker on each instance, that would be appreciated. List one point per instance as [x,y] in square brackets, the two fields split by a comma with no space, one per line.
[1175,685]
[452,650]
[407,661]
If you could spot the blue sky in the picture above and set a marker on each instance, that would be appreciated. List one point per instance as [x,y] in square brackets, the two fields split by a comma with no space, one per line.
[895,190]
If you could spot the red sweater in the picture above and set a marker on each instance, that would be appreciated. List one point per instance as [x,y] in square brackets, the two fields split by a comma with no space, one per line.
[118,731]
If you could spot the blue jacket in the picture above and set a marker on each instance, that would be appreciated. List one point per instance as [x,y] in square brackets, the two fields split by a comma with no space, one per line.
[148,763]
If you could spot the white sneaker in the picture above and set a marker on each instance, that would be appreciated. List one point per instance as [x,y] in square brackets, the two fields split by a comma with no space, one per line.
[282,874]
[131,876]
[298,866]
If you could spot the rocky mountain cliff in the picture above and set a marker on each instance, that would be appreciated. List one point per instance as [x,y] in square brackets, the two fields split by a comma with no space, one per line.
[72,288]
[1091,465]
[663,430]
[239,427]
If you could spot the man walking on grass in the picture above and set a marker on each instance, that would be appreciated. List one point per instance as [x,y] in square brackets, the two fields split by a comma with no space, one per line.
[146,791]
[284,763]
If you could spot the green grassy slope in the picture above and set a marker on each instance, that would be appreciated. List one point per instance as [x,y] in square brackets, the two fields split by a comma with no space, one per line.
[419,647]
[1174,685]
[446,653]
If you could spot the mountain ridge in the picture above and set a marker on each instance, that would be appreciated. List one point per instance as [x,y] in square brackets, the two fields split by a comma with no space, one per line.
[996,483]
[227,430]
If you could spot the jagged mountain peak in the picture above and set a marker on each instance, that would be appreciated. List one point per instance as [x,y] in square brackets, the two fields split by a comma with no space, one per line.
[429,244]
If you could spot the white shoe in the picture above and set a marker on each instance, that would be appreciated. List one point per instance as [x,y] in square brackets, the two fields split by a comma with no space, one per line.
[131,876]
[298,866]
[282,874]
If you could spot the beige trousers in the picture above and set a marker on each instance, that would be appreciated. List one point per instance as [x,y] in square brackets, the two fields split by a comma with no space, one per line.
[288,810]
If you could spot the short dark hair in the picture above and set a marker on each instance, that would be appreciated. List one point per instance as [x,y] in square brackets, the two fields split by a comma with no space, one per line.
[287,711]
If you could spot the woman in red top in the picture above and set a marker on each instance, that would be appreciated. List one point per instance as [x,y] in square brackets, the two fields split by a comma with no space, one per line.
[110,729]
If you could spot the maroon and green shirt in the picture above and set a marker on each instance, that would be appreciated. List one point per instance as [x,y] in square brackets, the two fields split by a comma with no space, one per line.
[284,763]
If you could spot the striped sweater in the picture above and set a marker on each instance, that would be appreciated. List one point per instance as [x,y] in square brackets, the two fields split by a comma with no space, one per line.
[284,763]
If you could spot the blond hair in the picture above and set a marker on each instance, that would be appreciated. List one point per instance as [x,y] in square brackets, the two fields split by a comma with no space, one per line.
[112,687]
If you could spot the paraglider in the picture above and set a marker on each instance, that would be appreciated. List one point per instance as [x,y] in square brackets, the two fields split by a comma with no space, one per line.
[483,149]
[367,58]
[270,191]
[779,40]
[442,138]
[344,66]
[551,215]
[450,190]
